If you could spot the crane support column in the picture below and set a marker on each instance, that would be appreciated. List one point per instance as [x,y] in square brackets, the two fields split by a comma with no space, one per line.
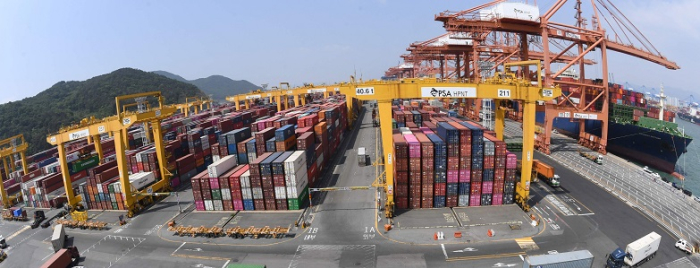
[124,138]
[237,103]
[5,199]
[98,146]
[279,102]
[123,171]
[67,183]
[23,158]
[303,99]
[160,153]
[388,153]
[523,187]
[500,119]
[147,132]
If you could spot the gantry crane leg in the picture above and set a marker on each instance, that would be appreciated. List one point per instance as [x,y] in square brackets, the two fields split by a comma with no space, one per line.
[388,153]
[523,187]
[72,199]
[500,119]
[5,201]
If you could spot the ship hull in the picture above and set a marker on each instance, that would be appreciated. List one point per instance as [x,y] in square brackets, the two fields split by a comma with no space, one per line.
[689,118]
[655,149]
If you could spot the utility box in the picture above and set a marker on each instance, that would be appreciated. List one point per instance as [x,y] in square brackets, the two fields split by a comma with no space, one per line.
[361,156]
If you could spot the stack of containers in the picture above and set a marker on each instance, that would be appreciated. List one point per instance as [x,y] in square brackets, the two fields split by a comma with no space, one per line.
[256,181]
[268,188]
[499,169]
[247,190]
[234,180]
[219,184]
[450,134]
[296,180]
[278,181]
[477,164]
[262,137]
[427,174]
[243,151]
[439,170]
[251,149]
[401,173]
[233,138]
[465,158]
[510,177]
[285,138]
[489,165]
[270,145]
[198,191]
[414,170]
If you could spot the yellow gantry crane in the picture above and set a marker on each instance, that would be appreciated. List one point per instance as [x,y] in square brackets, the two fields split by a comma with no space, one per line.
[503,87]
[9,148]
[282,95]
[118,126]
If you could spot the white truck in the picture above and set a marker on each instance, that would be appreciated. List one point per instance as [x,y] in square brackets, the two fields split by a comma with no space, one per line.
[636,253]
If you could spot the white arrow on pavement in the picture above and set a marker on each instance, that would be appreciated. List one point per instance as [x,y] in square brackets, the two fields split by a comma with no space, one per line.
[500,264]
[465,250]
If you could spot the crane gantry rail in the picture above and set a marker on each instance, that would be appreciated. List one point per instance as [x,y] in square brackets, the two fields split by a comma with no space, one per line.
[118,126]
[504,87]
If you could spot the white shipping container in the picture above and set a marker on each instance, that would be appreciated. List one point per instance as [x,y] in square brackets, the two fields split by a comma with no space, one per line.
[294,191]
[208,205]
[295,162]
[280,193]
[215,158]
[463,200]
[293,180]
[247,193]
[225,193]
[252,157]
[220,167]
[257,193]
[141,180]
[72,157]
[218,205]
[245,179]
[99,188]
[319,162]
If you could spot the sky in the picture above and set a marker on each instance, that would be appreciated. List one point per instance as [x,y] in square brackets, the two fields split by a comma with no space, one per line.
[304,41]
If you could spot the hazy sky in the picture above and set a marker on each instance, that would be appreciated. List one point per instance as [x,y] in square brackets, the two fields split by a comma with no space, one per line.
[43,42]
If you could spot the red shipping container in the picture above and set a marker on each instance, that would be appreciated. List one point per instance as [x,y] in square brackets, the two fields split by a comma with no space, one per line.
[427,177]
[477,175]
[402,202]
[414,202]
[228,205]
[475,189]
[452,163]
[452,176]
[236,194]
[414,190]
[401,190]
[259,204]
[498,187]
[451,201]
[426,146]
[400,146]
[281,204]
[270,204]
[497,199]
[426,202]
[464,175]
[278,180]
[487,187]
[402,177]
[440,189]
[401,164]
[428,163]
[414,164]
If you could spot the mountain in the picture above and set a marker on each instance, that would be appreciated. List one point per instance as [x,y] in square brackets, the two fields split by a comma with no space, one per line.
[69,102]
[216,85]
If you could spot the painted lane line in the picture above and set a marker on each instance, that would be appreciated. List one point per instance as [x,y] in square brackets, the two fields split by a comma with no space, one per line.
[19,231]
[226,263]
[178,248]
[444,252]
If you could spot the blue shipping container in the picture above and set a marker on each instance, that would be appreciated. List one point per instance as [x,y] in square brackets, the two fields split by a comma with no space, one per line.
[270,145]
[284,132]
[452,189]
[488,175]
[448,133]
[463,188]
[242,159]
[248,204]
[439,201]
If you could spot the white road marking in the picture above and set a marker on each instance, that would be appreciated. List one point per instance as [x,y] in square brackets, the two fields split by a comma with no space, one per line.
[443,251]
[226,263]
[19,231]
[178,248]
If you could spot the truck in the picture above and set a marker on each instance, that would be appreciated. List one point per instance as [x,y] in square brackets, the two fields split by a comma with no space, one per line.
[573,259]
[58,238]
[65,257]
[38,218]
[545,172]
[14,214]
[598,159]
[636,253]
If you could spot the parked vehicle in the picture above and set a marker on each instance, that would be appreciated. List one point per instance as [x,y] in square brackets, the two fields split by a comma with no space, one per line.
[636,253]
[546,173]
[38,218]
[574,259]
[684,246]
[598,159]
[58,238]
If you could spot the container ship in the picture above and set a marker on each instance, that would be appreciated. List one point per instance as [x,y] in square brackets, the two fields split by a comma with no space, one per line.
[690,114]
[637,130]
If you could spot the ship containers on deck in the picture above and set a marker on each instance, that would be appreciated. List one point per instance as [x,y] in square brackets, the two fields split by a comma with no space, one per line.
[268,188]
[427,172]
[414,173]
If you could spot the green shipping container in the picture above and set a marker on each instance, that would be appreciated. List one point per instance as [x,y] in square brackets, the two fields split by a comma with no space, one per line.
[115,206]
[300,201]
[216,194]
[84,164]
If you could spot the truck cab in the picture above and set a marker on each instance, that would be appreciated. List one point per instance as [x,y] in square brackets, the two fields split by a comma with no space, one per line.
[616,259]
[554,181]
[599,160]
